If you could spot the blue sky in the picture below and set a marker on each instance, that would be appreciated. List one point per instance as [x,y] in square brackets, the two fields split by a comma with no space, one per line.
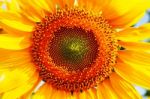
[143,20]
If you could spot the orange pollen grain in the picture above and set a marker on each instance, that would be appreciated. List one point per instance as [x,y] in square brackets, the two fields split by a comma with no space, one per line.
[87,63]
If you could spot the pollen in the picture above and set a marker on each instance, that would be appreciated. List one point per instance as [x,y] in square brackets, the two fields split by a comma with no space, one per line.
[73,49]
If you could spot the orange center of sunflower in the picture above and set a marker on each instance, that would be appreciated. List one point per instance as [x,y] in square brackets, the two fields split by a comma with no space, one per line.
[73,49]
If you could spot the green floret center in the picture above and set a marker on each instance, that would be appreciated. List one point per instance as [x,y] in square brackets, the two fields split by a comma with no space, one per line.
[74,49]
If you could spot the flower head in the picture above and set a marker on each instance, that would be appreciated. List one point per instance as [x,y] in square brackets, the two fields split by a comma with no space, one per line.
[81,49]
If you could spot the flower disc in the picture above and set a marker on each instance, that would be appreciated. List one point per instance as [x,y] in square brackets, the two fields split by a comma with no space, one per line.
[73,49]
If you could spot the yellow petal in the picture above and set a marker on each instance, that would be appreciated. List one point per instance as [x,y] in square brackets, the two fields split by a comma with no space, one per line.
[133,74]
[16,28]
[29,5]
[93,4]
[138,46]
[17,25]
[12,11]
[29,94]
[15,67]
[32,10]
[81,95]
[44,92]
[14,54]
[22,89]
[14,43]
[71,96]
[134,34]
[15,78]
[50,5]
[11,5]
[9,15]
[123,88]
[43,4]
[92,94]
[1,2]
[99,93]
[138,60]
[58,94]
[47,92]
[63,3]
[107,91]
[118,13]
[9,61]
[125,12]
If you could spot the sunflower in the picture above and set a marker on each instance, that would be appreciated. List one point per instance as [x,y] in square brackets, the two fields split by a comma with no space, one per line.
[85,49]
